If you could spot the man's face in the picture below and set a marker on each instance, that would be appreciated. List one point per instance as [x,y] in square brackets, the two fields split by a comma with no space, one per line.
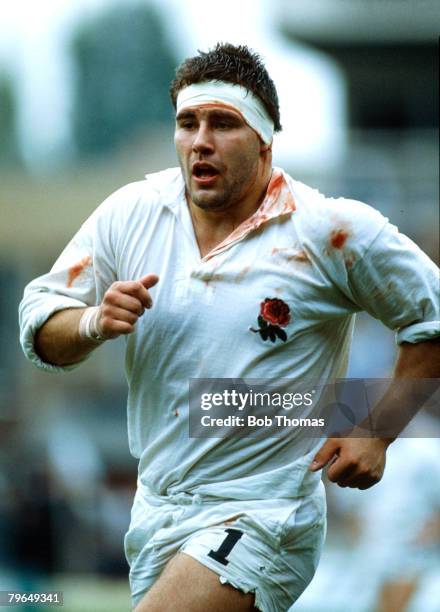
[219,154]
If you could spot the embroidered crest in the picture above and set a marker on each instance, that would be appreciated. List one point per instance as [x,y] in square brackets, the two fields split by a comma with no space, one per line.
[274,314]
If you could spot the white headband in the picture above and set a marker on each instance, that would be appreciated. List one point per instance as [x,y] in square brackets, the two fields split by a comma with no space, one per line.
[235,96]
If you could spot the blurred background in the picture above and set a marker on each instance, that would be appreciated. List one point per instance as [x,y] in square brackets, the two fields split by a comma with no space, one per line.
[84,109]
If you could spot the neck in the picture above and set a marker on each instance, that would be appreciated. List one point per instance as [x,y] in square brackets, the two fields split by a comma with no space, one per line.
[237,212]
[212,226]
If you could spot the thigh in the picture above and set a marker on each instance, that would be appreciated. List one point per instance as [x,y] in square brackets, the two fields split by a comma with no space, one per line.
[188,585]
[267,554]
[266,549]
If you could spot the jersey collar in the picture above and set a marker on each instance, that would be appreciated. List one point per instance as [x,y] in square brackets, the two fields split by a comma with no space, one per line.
[278,201]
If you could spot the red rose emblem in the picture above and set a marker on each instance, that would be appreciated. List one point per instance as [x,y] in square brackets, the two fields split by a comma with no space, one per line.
[274,314]
[275,311]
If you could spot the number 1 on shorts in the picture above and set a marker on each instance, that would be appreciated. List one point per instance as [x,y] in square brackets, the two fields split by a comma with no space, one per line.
[226,546]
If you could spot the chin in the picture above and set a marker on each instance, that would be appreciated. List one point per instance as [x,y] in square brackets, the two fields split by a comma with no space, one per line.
[208,201]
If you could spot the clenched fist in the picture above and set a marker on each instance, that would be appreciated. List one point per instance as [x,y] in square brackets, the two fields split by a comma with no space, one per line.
[122,305]
[353,462]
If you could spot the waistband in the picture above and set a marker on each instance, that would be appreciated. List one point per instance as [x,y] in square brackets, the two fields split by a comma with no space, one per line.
[180,498]
[183,498]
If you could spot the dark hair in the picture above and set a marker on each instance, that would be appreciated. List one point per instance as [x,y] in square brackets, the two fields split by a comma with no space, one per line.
[226,62]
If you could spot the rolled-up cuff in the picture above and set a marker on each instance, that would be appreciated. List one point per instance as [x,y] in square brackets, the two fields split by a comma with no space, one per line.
[418,332]
[52,304]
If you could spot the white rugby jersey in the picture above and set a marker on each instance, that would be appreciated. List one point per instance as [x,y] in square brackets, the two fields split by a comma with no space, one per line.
[324,258]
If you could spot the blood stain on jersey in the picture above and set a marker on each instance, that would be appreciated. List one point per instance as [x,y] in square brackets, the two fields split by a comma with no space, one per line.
[277,201]
[300,256]
[212,278]
[338,238]
[77,269]
[350,261]
[240,276]
[291,255]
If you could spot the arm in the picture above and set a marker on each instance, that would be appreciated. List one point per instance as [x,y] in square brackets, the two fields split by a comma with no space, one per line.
[86,269]
[421,360]
[394,281]
[59,340]
[360,462]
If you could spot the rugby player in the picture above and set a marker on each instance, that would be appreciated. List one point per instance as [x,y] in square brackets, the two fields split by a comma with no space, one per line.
[227,267]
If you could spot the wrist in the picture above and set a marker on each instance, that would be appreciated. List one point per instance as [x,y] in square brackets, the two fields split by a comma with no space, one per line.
[88,327]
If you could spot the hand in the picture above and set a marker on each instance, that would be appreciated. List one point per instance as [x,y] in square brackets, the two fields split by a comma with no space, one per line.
[357,462]
[122,305]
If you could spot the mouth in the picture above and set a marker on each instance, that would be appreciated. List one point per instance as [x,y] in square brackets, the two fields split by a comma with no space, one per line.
[204,173]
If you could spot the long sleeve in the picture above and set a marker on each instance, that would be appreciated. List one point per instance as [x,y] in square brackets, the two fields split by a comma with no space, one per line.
[80,276]
[397,283]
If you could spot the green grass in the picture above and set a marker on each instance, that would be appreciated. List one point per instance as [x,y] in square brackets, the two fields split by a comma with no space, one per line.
[92,594]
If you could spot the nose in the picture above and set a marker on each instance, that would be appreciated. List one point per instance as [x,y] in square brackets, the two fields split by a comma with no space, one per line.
[203,139]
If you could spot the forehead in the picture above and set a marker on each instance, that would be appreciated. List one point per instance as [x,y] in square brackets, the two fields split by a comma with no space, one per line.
[211,109]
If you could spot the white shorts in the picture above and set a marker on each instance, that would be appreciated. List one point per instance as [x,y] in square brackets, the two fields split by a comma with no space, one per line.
[267,547]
